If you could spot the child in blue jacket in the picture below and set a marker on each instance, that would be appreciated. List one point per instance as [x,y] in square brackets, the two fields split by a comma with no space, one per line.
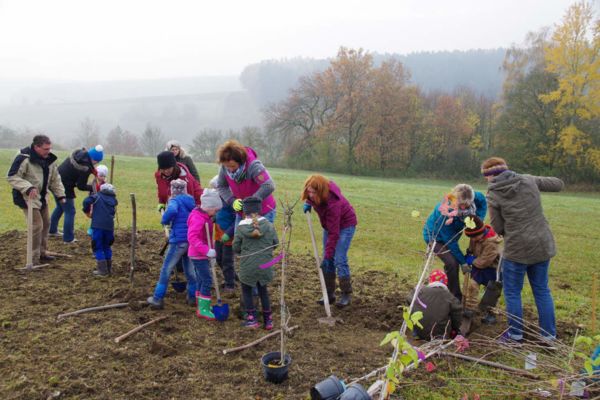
[224,231]
[178,209]
[101,208]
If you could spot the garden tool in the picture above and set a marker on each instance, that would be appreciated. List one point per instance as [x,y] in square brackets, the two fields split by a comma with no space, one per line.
[493,291]
[467,318]
[220,310]
[29,263]
[329,320]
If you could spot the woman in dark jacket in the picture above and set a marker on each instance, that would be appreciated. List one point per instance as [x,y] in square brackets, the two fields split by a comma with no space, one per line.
[74,172]
[338,220]
[516,213]
[181,157]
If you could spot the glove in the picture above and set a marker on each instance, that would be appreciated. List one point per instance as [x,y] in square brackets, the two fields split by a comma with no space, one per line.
[326,263]
[160,207]
[211,253]
[465,268]
[470,258]
[306,207]
[225,238]
[237,205]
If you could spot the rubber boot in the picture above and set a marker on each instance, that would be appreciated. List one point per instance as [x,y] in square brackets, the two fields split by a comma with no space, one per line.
[251,321]
[268,318]
[156,300]
[203,310]
[109,266]
[346,287]
[101,270]
[330,286]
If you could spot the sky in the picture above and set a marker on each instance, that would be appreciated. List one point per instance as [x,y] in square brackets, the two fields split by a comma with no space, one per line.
[148,39]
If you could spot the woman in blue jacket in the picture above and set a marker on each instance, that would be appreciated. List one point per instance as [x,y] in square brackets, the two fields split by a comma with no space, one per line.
[444,227]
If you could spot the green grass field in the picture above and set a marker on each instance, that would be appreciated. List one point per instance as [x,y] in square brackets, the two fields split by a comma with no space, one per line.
[387,237]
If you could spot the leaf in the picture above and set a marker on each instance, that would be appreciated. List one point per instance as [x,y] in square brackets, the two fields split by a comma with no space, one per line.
[470,223]
[415,214]
[583,339]
[417,316]
[588,366]
[388,338]
[391,387]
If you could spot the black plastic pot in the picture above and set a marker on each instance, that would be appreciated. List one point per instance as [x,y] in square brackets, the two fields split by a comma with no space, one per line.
[355,392]
[275,374]
[328,389]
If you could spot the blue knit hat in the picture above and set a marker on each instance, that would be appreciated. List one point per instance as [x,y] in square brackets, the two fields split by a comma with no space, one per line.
[96,153]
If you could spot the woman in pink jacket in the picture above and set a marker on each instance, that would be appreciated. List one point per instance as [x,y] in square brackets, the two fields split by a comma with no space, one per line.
[200,248]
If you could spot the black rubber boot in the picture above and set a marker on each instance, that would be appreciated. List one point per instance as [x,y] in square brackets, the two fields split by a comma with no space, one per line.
[101,269]
[346,287]
[330,286]
[109,266]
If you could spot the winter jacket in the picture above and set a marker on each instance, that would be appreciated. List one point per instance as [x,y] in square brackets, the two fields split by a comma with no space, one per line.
[225,223]
[441,307]
[335,214]
[163,184]
[189,163]
[199,243]
[436,230]
[102,205]
[486,251]
[29,171]
[177,213]
[255,251]
[75,171]
[255,181]
[516,213]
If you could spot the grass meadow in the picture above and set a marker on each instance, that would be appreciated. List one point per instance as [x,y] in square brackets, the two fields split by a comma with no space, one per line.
[388,238]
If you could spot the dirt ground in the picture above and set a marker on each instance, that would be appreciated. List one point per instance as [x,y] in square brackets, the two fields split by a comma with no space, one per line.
[180,357]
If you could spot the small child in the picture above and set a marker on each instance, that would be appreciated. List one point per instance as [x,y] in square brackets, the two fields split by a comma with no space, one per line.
[200,249]
[483,254]
[224,231]
[101,207]
[254,240]
[179,207]
[99,180]
[439,307]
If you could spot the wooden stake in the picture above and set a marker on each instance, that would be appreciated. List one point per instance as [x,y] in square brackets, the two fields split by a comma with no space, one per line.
[29,263]
[321,277]
[257,341]
[91,309]
[594,292]
[112,168]
[133,237]
[139,328]
[491,364]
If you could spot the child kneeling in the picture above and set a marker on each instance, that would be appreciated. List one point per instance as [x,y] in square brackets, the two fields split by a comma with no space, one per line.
[254,241]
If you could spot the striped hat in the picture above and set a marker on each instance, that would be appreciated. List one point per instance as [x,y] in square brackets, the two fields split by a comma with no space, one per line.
[437,275]
[493,166]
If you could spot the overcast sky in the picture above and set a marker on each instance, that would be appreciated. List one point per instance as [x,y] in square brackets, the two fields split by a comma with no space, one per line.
[128,39]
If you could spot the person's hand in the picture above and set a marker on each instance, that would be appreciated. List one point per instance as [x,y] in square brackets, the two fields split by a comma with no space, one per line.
[160,207]
[211,253]
[225,238]
[465,268]
[237,205]
[63,200]
[470,258]
[33,193]
[326,263]
[306,208]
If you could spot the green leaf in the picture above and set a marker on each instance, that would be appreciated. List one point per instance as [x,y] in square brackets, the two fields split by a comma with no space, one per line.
[417,323]
[588,366]
[389,373]
[596,362]
[417,316]
[405,359]
[409,324]
[597,338]
[470,222]
[391,387]
[389,337]
[584,339]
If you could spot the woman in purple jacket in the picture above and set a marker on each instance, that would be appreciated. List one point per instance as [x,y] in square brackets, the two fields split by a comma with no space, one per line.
[338,220]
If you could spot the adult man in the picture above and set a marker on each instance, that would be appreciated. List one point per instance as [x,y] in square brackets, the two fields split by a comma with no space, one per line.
[31,174]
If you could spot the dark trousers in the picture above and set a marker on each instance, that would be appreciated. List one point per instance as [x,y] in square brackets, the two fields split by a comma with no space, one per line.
[451,268]
[263,293]
[225,261]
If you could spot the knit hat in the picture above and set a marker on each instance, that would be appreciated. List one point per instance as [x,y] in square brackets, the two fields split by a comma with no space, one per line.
[178,186]
[251,205]
[173,143]
[493,166]
[479,226]
[166,159]
[102,170]
[96,153]
[214,182]
[107,187]
[437,275]
[210,200]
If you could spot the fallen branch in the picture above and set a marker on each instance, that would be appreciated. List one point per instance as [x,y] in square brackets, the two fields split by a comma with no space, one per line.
[490,364]
[139,328]
[257,341]
[92,309]
[59,255]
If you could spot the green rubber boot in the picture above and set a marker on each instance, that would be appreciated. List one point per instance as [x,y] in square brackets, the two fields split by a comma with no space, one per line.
[204,310]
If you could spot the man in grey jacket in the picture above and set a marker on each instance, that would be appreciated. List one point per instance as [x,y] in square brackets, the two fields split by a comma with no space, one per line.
[515,209]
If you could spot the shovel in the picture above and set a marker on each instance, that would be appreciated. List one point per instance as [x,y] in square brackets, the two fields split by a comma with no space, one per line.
[29,263]
[493,291]
[220,310]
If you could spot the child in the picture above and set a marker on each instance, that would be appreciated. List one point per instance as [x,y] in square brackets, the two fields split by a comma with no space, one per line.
[224,230]
[439,307]
[254,240]
[99,180]
[483,254]
[200,249]
[179,207]
[101,208]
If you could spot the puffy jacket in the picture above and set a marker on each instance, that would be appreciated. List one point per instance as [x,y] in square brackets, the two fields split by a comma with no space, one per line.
[487,250]
[516,213]
[29,171]
[256,251]
[75,171]
[441,307]
[177,213]
[102,205]
[436,230]
[199,243]
[225,223]
[335,214]
[163,184]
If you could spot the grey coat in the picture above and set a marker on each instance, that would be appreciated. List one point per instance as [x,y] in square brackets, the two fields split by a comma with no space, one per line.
[515,209]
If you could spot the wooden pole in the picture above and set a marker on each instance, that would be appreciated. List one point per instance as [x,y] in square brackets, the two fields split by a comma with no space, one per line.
[318,261]
[594,292]
[283,321]
[91,309]
[112,168]
[133,236]
[491,364]
[257,341]
[139,328]
[29,263]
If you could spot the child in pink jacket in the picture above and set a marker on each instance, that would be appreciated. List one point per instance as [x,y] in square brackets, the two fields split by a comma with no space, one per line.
[200,250]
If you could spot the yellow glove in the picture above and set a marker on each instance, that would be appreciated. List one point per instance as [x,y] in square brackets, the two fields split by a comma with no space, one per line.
[237,205]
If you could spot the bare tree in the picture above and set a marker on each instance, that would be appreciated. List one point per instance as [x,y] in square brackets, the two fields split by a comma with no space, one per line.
[89,134]
[122,142]
[204,146]
[152,140]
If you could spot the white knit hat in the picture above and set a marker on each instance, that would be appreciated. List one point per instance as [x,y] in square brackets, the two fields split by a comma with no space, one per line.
[102,170]
[210,200]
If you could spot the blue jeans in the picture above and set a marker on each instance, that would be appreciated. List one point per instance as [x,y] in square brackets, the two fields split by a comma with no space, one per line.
[270,216]
[68,208]
[513,274]
[175,253]
[102,239]
[204,276]
[340,257]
